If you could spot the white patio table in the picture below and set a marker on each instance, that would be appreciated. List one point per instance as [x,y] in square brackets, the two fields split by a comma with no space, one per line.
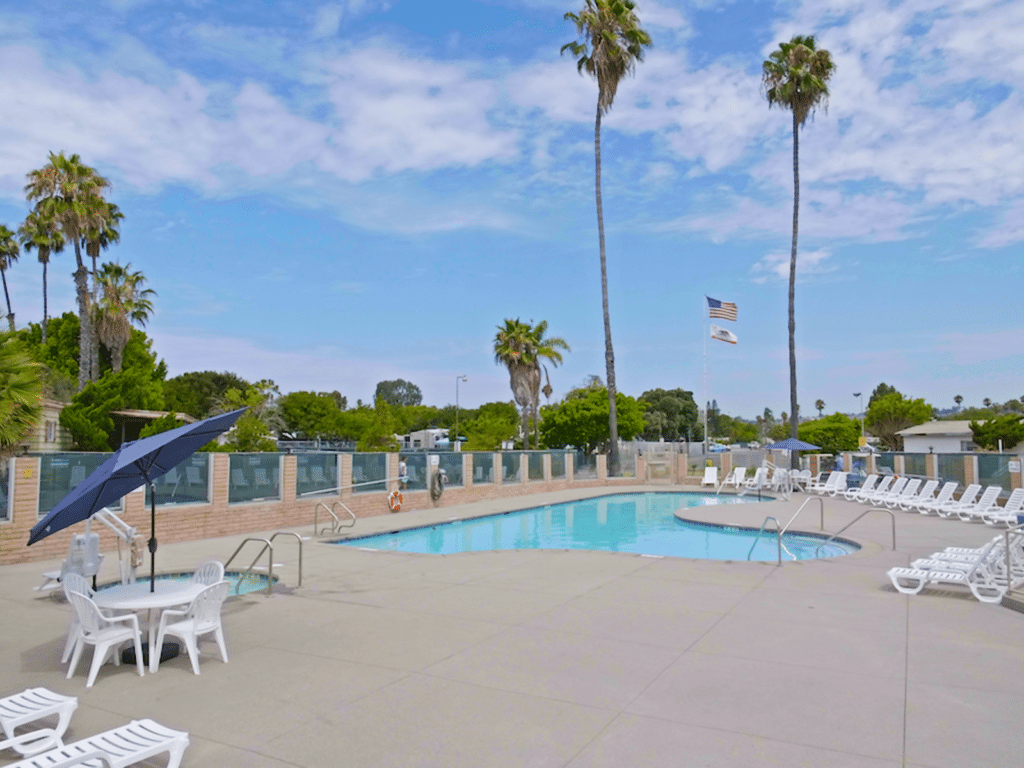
[137,597]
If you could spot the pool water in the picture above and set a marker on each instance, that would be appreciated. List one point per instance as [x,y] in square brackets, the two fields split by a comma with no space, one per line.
[254,582]
[643,523]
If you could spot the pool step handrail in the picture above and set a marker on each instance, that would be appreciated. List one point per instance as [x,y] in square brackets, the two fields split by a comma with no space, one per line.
[299,539]
[337,524]
[858,517]
[808,500]
[778,538]
[269,549]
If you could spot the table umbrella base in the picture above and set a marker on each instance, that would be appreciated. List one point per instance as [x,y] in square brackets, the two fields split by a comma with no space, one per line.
[168,652]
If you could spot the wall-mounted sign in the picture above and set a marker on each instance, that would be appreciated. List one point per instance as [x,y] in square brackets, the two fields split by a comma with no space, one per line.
[1014,466]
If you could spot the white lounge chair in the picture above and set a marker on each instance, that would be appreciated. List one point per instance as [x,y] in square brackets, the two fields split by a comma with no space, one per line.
[866,487]
[944,497]
[815,485]
[1008,512]
[962,561]
[124,746]
[104,634]
[710,476]
[864,497]
[967,498]
[987,504]
[981,578]
[31,706]
[927,492]
[908,491]
[757,482]
[879,498]
[734,478]
[202,617]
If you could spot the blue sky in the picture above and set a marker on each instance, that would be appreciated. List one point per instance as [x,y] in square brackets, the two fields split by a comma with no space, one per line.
[329,195]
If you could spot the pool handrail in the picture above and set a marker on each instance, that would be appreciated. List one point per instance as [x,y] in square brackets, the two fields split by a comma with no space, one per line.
[858,517]
[337,521]
[778,538]
[808,500]
[267,547]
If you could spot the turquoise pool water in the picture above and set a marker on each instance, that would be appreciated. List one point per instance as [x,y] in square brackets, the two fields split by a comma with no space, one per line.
[643,523]
[254,582]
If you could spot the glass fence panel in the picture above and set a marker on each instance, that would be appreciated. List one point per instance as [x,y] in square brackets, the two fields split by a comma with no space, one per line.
[316,474]
[627,461]
[367,467]
[994,469]
[416,470]
[915,464]
[6,470]
[511,468]
[254,477]
[451,463]
[584,465]
[483,468]
[557,464]
[884,461]
[826,463]
[187,483]
[60,472]
[535,466]
[951,467]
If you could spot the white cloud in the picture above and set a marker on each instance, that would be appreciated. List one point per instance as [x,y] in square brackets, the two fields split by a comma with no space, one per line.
[327,21]
[1010,229]
[775,266]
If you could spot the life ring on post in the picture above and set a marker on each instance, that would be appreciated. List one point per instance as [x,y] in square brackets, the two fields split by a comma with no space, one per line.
[395,501]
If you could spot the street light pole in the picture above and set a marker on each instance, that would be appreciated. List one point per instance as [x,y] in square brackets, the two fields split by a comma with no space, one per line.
[457,380]
[861,396]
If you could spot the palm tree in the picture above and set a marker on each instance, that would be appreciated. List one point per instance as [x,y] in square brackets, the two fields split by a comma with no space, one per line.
[820,406]
[9,251]
[124,301]
[71,192]
[959,399]
[549,350]
[102,232]
[42,234]
[519,347]
[613,43]
[20,394]
[796,78]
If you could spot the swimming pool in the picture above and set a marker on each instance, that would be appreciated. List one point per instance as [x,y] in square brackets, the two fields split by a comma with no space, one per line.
[643,523]
[254,582]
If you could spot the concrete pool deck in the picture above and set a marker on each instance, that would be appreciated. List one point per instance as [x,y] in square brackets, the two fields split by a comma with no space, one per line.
[569,658]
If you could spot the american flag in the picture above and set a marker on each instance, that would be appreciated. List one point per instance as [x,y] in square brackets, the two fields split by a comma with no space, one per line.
[724,309]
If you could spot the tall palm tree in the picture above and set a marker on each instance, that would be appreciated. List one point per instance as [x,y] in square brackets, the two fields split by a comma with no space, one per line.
[520,347]
[9,251]
[795,77]
[123,301]
[960,398]
[104,221]
[71,192]
[20,395]
[820,406]
[613,42]
[41,233]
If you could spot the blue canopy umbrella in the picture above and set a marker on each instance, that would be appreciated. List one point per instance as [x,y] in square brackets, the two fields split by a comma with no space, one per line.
[792,444]
[134,464]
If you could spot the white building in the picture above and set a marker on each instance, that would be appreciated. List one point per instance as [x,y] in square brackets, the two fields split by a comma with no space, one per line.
[939,437]
[428,439]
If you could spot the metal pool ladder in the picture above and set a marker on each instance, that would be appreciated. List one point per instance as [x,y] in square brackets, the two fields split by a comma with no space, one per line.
[268,547]
[779,531]
[337,524]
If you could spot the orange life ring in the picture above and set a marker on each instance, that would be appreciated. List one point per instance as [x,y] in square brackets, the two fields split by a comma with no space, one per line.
[395,501]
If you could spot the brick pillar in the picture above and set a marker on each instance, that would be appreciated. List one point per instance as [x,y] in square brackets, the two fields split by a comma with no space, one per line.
[524,468]
[570,466]
[931,466]
[726,463]
[392,472]
[467,470]
[547,467]
[289,480]
[602,467]
[1015,477]
[25,492]
[498,471]
[814,463]
[641,468]
[345,476]
[970,469]
[221,476]
[897,465]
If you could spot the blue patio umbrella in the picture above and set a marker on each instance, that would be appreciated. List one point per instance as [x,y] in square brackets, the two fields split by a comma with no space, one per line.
[134,464]
[792,444]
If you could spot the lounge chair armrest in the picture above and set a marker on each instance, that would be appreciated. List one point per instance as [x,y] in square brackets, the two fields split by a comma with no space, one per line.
[33,742]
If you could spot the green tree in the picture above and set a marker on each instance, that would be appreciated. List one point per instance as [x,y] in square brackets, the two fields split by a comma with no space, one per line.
[71,193]
[379,432]
[20,393]
[309,415]
[881,390]
[958,399]
[124,302]
[103,231]
[583,422]
[197,393]
[9,251]
[398,392]
[795,77]
[612,44]
[520,347]
[834,433]
[88,419]
[1009,429]
[163,424]
[743,432]
[489,425]
[42,234]
[893,412]
[673,415]
[254,430]
[819,406]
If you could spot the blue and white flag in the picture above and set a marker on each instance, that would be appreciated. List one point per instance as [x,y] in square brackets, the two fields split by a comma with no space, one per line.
[723,335]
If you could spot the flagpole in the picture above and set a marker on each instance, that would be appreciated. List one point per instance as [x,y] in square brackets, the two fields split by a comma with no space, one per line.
[706,400]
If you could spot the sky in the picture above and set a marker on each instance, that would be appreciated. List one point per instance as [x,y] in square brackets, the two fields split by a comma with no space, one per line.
[331,195]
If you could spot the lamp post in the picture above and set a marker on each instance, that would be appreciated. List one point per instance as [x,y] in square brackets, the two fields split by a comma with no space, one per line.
[861,396]
[457,380]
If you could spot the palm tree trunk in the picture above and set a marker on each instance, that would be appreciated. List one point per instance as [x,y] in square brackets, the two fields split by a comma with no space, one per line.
[10,313]
[793,414]
[94,349]
[45,316]
[84,319]
[609,354]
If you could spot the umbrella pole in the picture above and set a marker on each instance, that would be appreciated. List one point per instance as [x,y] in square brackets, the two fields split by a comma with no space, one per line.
[152,537]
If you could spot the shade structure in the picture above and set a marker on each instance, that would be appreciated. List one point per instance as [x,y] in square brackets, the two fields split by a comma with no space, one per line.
[134,464]
[792,444]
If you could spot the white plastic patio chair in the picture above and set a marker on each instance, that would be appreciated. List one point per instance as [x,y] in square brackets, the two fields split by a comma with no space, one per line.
[119,747]
[74,582]
[31,706]
[209,572]
[734,478]
[104,633]
[202,617]
[710,476]
[944,497]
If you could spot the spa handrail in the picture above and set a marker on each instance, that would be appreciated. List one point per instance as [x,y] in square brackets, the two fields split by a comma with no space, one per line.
[858,517]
